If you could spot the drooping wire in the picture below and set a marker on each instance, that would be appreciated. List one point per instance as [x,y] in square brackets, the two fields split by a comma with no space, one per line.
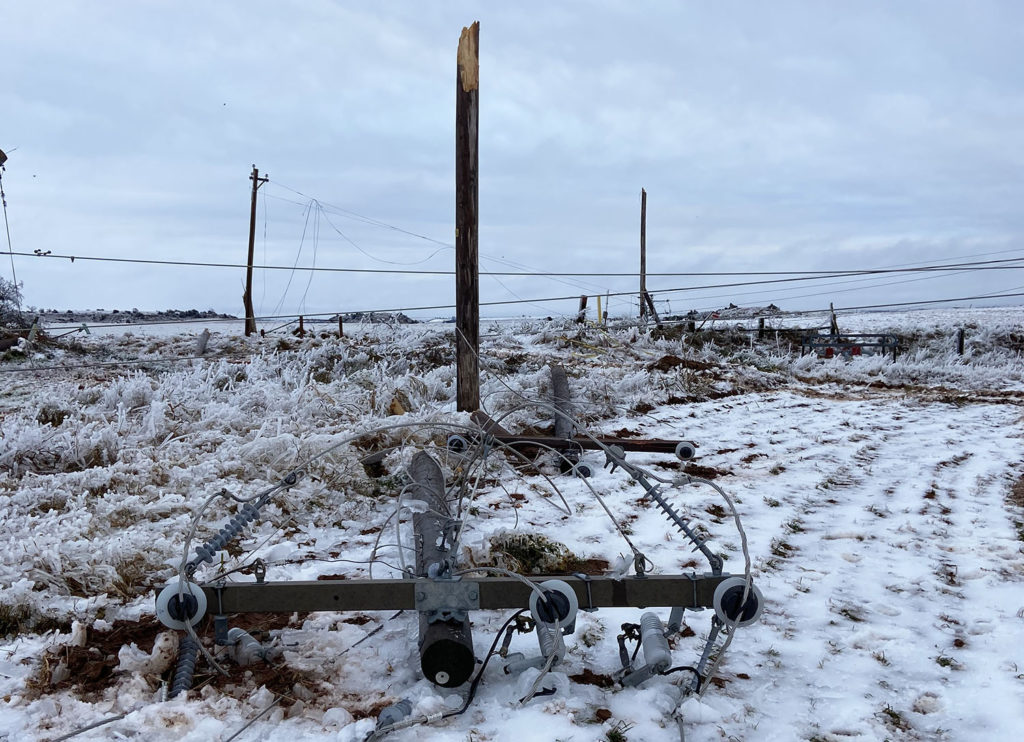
[316,246]
[298,256]
[10,248]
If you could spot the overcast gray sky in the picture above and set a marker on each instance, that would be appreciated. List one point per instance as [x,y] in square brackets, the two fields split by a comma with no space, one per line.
[769,136]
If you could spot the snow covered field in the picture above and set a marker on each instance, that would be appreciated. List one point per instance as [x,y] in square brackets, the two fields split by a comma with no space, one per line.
[880,501]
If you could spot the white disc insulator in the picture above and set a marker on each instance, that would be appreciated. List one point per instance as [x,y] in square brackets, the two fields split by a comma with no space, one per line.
[685,450]
[171,592]
[558,586]
[732,584]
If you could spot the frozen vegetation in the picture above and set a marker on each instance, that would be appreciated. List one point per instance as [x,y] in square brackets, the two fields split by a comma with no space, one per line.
[881,502]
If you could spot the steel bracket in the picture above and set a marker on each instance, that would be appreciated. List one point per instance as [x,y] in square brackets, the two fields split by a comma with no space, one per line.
[447,596]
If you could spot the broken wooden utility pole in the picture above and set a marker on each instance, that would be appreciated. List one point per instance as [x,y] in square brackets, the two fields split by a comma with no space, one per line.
[467,280]
[250,314]
[646,299]
[643,252]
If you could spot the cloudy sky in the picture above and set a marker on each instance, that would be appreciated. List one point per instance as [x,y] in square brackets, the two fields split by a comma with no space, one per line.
[784,136]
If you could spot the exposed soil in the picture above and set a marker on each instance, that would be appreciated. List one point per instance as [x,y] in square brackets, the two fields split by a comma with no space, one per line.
[1016,496]
[91,668]
[694,470]
[667,363]
[589,677]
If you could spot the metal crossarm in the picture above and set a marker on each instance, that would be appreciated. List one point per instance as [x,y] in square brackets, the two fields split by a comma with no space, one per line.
[495,593]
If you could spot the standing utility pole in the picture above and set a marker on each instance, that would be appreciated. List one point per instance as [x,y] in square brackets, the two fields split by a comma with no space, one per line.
[250,314]
[643,253]
[467,280]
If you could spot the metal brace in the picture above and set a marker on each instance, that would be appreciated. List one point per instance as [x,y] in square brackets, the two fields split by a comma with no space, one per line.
[591,608]
[447,595]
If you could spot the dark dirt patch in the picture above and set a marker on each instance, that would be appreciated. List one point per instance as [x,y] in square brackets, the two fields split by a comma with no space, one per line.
[694,470]
[750,457]
[625,433]
[642,408]
[697,398]
[1016,496]
[322,578]
[91,668]
[375,469]
[255,623]
[589,677]
[371,711]
[716,511]
[592,566]
[669,362]
[357,620]
[279,679]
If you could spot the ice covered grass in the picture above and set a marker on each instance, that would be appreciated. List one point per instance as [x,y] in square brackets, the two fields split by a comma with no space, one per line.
[876,496]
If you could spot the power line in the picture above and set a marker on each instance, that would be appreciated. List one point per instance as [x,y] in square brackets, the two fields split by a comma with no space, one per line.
[367,219]
[240,359]
[799,275]
[436,307]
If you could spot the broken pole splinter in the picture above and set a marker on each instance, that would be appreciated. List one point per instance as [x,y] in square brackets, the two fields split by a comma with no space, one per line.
[467,280]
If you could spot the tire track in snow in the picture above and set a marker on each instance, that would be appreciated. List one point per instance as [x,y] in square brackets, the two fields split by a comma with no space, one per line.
[871,583]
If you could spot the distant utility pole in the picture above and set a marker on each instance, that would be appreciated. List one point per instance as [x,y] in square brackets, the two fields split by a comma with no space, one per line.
[7,226]
[250,314]
[643,253]
[467,279]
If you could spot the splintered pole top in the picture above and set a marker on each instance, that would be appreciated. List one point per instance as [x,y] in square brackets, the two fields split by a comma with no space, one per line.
[468,57]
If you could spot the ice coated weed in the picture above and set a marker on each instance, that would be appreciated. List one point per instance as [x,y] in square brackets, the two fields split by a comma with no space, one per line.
[894,718]
[13,618]
[618,732]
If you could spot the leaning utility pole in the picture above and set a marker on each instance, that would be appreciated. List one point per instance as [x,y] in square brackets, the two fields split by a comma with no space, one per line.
[467,280]
[250,314]
[643,253]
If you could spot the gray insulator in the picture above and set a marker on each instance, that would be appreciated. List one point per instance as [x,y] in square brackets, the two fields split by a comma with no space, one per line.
[395,713]
[547,638]
[657,654]
[188,653]
[247,649]
[517,662]
[654,492]
[675,620]
[228,533]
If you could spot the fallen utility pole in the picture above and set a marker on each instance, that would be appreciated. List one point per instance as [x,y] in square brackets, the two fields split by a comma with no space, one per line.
[683,449]
[250,313]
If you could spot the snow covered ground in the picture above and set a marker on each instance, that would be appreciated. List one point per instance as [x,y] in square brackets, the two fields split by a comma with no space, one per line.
[879,500]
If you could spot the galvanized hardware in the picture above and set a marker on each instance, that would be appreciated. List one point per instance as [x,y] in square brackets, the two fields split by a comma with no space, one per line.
[446,595]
